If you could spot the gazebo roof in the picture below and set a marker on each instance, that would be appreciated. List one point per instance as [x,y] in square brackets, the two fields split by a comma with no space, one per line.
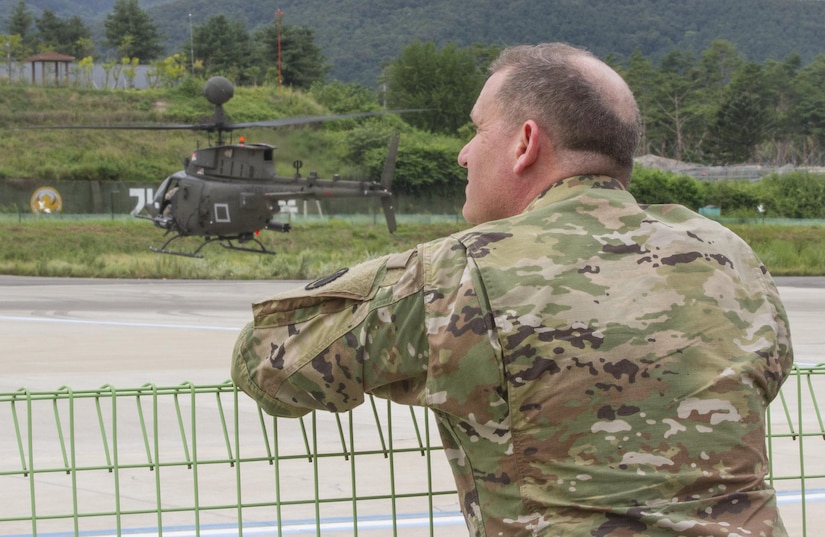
[50,57]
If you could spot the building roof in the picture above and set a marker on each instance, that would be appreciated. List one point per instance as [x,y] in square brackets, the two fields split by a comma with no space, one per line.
[50,57]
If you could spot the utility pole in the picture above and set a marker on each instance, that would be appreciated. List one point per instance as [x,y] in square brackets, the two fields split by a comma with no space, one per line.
[191,47]
[278,15]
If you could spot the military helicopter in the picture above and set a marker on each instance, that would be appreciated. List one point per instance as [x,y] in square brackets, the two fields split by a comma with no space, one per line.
[229,192]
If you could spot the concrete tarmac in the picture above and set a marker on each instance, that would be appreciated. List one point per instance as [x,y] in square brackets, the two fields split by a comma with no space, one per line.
[86,333]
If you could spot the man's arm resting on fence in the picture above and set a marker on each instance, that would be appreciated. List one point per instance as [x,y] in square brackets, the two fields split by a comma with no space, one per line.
[326,345]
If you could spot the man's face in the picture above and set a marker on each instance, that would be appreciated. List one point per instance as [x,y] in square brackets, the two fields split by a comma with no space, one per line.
[487,157]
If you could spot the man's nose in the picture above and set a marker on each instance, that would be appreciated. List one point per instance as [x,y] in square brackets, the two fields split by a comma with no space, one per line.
[462,156]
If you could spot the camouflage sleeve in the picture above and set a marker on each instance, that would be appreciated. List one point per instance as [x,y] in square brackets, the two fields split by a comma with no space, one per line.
[779,365]
[326,345]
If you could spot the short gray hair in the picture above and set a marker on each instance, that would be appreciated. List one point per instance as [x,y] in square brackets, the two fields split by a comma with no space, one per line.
[550,84]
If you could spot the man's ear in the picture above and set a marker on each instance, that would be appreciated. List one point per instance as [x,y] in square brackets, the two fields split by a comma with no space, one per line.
[527,151]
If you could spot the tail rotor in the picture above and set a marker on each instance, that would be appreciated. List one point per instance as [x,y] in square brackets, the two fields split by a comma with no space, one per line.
[386,184]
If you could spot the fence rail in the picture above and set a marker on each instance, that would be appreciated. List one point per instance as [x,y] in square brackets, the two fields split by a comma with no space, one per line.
[204,460]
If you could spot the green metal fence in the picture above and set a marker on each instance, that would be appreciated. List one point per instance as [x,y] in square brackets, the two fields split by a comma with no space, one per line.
[796,443]
[203,460]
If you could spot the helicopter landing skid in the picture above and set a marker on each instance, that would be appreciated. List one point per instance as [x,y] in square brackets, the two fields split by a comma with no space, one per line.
[195,254]
[229,245]
[226,242]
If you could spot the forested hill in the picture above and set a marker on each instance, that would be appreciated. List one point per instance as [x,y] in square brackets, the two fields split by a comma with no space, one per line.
[358,37]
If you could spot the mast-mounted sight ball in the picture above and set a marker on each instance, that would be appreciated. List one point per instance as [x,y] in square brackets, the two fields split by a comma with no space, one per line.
[218,90]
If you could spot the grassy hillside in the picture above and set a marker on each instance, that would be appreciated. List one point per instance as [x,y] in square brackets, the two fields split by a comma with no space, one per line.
[141,155]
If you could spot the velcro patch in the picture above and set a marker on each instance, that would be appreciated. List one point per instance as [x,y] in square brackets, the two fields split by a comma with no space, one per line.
[320,282]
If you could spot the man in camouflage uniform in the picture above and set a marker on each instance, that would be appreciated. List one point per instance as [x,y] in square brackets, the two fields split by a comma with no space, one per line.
[597,368]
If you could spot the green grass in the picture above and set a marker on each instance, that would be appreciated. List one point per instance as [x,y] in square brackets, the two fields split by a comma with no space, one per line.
[99,248]
[120,249]
[787,250]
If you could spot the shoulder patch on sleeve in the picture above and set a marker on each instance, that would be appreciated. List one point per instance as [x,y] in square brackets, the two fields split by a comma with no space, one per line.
[320,282]
[330,293]
[356,282]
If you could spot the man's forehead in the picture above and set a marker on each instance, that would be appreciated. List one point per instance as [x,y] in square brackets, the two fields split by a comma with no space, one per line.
[485,104]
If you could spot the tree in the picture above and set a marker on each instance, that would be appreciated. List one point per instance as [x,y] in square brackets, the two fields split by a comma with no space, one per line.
[15,50]
[302,63]
[168,72]
[132,31]
[640,75]
[21,22]
[49,28]
[718,64]
[342,98]
[79,37]
[445,82]
[779,77]
[484,54]
[809,108]
[224,47]
[739,125]
[670,101]
[70,36]
[742,118]
[679,114]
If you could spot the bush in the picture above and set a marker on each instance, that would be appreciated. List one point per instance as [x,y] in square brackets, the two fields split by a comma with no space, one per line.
[651,186]
[794,195]
[790,195]
[735,197]
[427,166]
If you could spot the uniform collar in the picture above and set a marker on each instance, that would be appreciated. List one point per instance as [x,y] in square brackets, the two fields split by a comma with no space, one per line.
[574,186]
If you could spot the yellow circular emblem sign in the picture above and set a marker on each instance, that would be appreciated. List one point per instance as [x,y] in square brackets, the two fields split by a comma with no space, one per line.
[46,200]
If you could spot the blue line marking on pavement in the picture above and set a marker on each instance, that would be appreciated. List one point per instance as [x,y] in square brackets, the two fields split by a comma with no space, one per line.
[288,527]
[343,524]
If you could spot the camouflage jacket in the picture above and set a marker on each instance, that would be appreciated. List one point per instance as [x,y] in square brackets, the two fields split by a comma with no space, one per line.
[597,368]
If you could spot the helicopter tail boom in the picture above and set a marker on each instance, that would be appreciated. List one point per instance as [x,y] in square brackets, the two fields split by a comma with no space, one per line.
[314,188]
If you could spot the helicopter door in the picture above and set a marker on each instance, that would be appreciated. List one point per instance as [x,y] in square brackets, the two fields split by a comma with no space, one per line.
[189,207]
[161,200]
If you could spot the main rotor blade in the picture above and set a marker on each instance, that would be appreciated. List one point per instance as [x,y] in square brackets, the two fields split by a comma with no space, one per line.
[285,122]
[222,127]
[148,127]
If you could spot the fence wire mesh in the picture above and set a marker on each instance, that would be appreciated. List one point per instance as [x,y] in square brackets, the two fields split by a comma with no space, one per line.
[204,460]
